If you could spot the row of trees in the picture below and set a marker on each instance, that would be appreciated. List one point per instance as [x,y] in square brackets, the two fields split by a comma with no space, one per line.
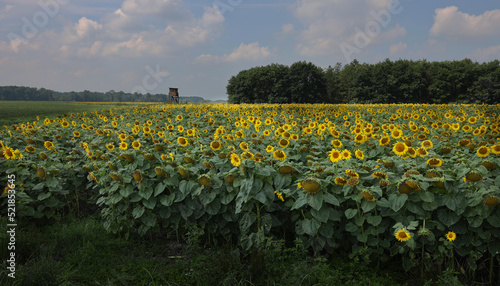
[401,81]
[42,94]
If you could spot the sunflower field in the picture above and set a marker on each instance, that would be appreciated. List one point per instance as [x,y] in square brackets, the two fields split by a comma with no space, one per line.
[417,182]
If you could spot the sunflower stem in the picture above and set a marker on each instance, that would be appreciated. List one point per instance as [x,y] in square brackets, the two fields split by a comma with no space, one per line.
[362,228]
[378,246]
[491,268]
[258,217]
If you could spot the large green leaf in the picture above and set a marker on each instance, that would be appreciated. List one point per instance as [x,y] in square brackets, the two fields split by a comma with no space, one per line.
[311,226]
[350,213]
[398,201]
[322,214]
[315,201]
[151,203]
[246,222]
[138,211]
[167,200]
[374,220]
[331,199]
[159,189]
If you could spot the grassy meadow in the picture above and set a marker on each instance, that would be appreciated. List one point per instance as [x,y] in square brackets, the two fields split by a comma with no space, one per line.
[24,111]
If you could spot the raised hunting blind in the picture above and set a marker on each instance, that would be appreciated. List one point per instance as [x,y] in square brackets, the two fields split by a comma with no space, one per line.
[173,94]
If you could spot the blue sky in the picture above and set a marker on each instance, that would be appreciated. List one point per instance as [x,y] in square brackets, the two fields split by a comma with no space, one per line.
[150,45]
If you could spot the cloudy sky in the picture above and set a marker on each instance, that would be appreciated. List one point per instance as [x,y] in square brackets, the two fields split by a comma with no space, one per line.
[195,45]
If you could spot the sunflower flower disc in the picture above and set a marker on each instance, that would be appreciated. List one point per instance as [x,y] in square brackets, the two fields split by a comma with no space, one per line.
[183,172]
[491,201]
[205,180]
[402,235]
[160,172]
[311,185]
[229,179]
[286,169]
[41,172]
[115,176]
[474,176]
[137,176]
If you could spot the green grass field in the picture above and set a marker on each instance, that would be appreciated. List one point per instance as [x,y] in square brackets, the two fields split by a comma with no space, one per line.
[14,112]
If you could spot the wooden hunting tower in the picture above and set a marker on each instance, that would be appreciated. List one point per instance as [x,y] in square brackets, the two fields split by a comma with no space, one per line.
[173,94]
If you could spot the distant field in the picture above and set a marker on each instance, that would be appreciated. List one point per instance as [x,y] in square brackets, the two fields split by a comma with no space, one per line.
[23,111]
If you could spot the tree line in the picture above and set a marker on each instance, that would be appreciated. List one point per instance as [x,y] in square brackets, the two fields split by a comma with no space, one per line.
[400,81]
[43,94]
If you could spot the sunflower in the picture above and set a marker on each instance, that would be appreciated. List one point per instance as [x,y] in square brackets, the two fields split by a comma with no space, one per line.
[379,175]
[360,138]
[123,137]
[483,151]
[48,145]
[359,154]
[421,137]
[495,149]
[247,155]
[473,176]
[368,196]
[279,155]
[346,155]
[269,148]
[137,176]
[334,155]
[30,149]
[284,143]
[182,141]
[402,235]
[9,153]
[396,133]
[351,173]
[463,142]
[136,144]
[215,145]
[400,148]
[123,145]
[235,160]
[93,177]
[434,162]
[311,185]
[451,236]
[340,181]
[110,147]
[427,144]
[384,141]
[244,146]
[336,143]
[491,201]
[422,152]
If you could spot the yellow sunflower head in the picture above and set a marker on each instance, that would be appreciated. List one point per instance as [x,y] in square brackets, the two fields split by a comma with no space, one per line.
[279,155]
[400,149]
[402,235]
[451,236]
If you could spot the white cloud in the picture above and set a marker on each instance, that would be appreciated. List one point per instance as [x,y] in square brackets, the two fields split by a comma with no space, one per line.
[328,24]
[287,29]
[138,28]
[5,10]
[451,23]
[86,27]
[250,52]
[397,49]
[485,54]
